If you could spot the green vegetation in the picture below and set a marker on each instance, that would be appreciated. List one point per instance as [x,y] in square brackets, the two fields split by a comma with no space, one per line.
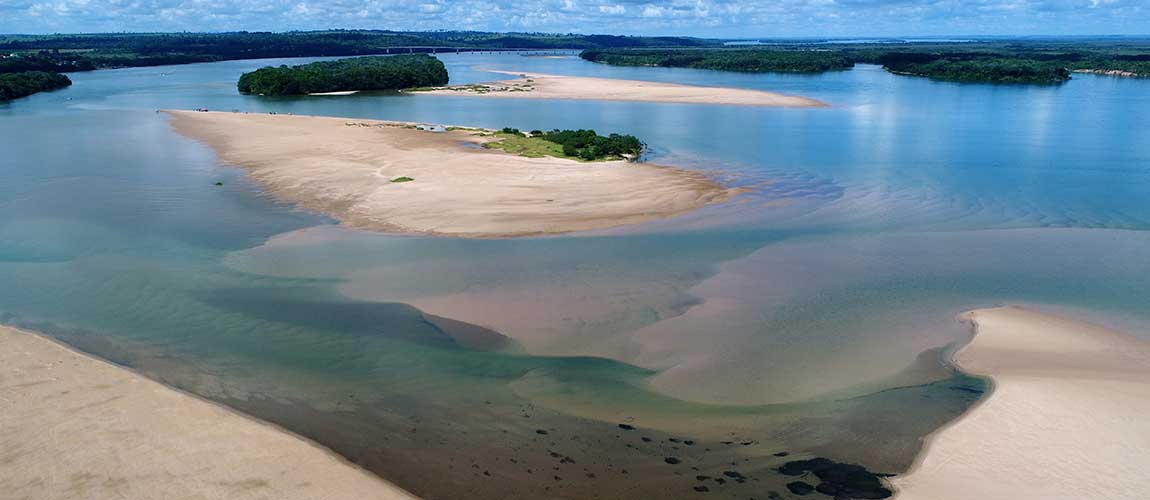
[107,50]
[581,144]
[26,74]
[44,61]
[522,145]
[16,85]
[1014,61]
[402,179]
[359,73]
[1030,60]
[747,60]
[988,69]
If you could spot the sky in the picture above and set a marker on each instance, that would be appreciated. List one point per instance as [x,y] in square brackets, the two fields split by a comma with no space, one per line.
[705,18]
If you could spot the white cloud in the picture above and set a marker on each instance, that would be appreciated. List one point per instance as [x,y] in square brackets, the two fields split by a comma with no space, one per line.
[720,18]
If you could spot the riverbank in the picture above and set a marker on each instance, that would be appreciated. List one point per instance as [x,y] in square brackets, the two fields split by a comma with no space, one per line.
[1108,72]
[1066,417]
[394,177]
[542,86]
[72,426]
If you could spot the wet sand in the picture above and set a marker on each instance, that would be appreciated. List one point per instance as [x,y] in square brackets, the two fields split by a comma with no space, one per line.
[442,436]
[72,426]
[345,168]
[1066,417]
[542,86]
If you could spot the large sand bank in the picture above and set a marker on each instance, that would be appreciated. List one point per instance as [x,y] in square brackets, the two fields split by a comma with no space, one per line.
[541,86]
[1067,417]
[74,427]
[344,168]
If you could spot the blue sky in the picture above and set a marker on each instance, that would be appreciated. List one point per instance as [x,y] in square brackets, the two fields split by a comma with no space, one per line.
[714,18]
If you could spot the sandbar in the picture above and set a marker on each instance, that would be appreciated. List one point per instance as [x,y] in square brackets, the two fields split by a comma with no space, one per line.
[1066,417]
[543,86]
[75,427]
[338,92]
[347,168]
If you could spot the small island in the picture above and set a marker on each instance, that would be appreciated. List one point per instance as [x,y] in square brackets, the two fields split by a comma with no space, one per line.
[26,83]
[346,75]
[452,181]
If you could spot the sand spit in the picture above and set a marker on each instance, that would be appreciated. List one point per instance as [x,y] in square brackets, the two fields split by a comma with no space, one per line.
[347,168]
[74,427]
[1066,418]
[541,86]
[338,92]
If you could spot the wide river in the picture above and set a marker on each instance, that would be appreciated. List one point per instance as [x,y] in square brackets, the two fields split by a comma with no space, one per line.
[810,316]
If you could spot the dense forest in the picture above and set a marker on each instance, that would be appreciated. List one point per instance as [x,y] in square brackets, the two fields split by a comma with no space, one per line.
[26,83]
[977,68]
[27,74]
[733,59]
[43,62]
[358,73]
[1015,61]
[582,144]
[153,49]
[1030,60]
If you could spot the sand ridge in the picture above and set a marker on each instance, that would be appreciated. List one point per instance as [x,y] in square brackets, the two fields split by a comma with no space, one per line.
[544,86]
[1066,417]
[75,427]
[346,167]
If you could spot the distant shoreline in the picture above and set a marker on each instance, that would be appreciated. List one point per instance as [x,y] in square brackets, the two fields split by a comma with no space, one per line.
[543,86]
[69,415]
[1066,417]
[402,178]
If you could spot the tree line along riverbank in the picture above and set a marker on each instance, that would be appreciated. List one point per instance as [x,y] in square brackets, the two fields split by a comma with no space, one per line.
[1018,62]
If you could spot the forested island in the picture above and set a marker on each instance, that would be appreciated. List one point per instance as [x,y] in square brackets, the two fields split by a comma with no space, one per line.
[980,68]
[1028,62]
[748,60]
[26,83]
[358,73]
[580,144]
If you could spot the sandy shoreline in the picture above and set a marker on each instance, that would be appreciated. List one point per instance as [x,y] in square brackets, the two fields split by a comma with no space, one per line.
[346,168]
[1066,417]
[542,86]
[72,426]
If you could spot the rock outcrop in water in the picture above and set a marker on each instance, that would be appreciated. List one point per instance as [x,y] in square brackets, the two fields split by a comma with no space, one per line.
[839,480]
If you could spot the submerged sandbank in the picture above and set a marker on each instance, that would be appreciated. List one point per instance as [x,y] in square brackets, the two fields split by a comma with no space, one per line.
[1066,417]
[348,169]
[542,86]
[72,426]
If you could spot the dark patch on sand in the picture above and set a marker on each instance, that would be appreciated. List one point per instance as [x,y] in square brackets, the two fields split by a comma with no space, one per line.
[839,480]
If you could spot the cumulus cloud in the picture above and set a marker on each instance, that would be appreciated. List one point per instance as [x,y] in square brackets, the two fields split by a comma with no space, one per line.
[720,18]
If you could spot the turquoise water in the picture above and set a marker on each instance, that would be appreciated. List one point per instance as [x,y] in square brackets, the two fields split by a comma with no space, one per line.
[793,318]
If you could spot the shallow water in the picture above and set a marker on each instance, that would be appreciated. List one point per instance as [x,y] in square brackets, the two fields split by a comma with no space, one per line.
[804,318]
